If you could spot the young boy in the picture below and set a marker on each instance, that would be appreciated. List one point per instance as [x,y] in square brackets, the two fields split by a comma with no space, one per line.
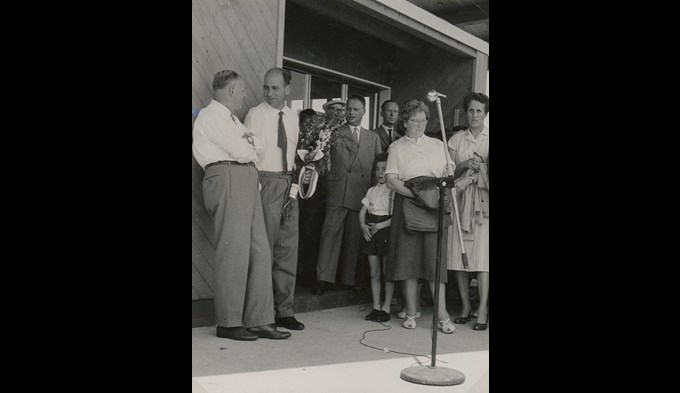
[375,227]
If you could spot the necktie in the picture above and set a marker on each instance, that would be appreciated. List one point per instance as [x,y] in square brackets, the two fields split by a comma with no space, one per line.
[389,133]
[356,135]
[282,142]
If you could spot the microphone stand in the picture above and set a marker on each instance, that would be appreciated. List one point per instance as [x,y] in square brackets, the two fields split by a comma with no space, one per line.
[433,375]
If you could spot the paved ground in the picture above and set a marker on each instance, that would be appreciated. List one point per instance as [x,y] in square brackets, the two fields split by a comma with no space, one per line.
[328,357]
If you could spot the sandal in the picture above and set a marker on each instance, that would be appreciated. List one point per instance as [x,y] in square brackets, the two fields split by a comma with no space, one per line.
[446,326]
[410,322]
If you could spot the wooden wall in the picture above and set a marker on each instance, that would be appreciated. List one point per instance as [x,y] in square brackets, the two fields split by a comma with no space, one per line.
[240,35]
[330,35]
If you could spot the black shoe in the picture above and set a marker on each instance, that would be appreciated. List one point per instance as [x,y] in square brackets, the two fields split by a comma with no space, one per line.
[481,326]
[319,288]
[383,316]
[289,323]
[373,315]
[463,320]
[236,333]
[269,331]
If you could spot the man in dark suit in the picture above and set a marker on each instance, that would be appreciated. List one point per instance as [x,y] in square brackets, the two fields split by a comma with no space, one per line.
[352,159]
[389,111]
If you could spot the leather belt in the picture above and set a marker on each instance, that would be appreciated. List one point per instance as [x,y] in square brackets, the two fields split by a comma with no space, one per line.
[229,163]
[277,173]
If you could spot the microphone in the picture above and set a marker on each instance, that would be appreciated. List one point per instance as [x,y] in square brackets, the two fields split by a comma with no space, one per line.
[432,96]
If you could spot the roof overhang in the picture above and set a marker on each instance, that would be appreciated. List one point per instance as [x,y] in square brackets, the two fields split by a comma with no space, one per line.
[423,24]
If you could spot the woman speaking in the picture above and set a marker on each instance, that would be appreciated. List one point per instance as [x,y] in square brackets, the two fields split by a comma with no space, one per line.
[413,233]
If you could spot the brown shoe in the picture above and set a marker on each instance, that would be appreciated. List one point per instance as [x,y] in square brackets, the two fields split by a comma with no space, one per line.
[269,331]
[236,333]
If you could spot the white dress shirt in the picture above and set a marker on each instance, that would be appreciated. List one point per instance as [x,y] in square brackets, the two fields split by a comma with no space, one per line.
[263,120]
[218,135]
[422,156]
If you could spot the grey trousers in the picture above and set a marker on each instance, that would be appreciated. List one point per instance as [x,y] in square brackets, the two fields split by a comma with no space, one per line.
[283,239]
[242,268]
[341,231]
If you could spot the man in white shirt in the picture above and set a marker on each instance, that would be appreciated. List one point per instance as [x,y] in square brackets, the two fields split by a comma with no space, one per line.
[279,126]
[389,110]
[226,150]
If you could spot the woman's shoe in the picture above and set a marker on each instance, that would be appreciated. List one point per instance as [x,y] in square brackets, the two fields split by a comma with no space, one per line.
[446,326]
[374,314]
[481,326]
[463,320]
[402,315]
[410,322]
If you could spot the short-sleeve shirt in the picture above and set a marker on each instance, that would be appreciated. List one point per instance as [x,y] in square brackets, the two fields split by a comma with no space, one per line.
[377,200]
[218,135]
[411,157]
[466,145]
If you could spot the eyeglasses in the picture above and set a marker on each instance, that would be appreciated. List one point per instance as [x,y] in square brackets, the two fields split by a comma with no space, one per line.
[422,121]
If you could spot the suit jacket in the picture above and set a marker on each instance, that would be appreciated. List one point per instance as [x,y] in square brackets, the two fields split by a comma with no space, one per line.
[384,138]
[351,168]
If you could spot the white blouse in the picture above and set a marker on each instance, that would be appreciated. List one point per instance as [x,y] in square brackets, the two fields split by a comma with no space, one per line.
[412,157]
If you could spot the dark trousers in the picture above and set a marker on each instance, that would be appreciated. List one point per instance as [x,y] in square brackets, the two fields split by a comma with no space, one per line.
[311,223]
[340,232]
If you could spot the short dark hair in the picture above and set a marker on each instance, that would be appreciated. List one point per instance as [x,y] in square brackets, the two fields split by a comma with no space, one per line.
[358,98]
[479,97]
[307,113]
[382,107]
[223,78]
[284,73]
[380,157]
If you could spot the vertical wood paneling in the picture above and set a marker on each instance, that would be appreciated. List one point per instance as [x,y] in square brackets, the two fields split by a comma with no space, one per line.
[240,35]
[199,284]
[202,265]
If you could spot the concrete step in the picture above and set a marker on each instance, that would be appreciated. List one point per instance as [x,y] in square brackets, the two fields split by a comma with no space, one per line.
[203,314]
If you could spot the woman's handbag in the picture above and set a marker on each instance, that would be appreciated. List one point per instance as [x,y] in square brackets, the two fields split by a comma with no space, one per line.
[420,213]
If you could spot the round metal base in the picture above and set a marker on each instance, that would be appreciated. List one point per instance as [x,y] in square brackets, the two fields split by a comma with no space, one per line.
[426,375]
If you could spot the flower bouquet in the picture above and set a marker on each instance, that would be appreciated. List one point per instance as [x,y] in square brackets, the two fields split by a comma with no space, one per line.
[313,154]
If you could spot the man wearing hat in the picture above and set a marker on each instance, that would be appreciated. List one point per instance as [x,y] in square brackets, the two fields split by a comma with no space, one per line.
[335,108]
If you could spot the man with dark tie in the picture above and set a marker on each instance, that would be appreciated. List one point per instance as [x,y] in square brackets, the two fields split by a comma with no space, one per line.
[350,176]
[389,111]
[278,125]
